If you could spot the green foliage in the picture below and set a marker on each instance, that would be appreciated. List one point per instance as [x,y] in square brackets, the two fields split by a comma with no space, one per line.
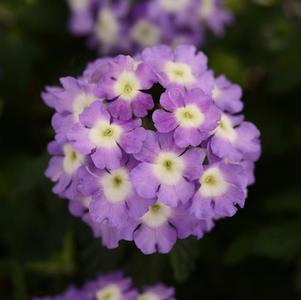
[255,255]
[183,259]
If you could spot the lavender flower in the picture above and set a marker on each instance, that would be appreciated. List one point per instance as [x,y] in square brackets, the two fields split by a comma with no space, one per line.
[182,67]
[227,96]
[156,153]
[166,171]
[190,115]
[104,137]
[81,21]
[212,14]
[162,225]
[110,286]
[63,167]
[123,85]
[235,140]
[221,187]
[69,102]
[113,196]
[157,292]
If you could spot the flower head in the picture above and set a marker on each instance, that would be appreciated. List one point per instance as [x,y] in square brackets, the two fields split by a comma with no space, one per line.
[113,286]
[129,26]
[150,149]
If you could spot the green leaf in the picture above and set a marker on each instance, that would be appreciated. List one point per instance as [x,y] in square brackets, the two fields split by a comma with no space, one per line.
[60,263]
[183,258]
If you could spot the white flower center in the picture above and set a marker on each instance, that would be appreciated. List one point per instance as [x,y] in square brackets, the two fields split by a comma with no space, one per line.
[107,27]
[104,134]
[116,185]
[127,85]
[179,73]
[168,168]
[86,201]
[78,5]
[110,292]
[81,102]
[72,159]
[146,34]
[216,92]
[190,116]
[173,5]
[148,296]
[206,9]
[213,183]
[157,215]
[225,129]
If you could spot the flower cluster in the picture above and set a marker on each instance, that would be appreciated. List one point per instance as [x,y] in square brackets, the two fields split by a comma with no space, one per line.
[151,149]
[114,286]
[129,26]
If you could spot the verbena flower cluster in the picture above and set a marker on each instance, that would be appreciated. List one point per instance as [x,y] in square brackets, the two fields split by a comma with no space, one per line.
[129,26]
[151,149]
[114,286]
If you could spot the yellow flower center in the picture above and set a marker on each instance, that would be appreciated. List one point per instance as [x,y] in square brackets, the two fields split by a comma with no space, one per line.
[189,116]
[127,86]
[179,73]
[104,134]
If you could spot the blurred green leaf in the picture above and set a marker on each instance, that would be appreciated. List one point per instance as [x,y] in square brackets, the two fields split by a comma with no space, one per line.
[59,263]
[183,258]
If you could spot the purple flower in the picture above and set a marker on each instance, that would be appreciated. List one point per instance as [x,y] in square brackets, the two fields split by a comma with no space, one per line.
[50,95]
[109,235]
[96,70]
[123,85]
[235,140]
[227,96]
[79,205]
[104,138]
[69,102]
[62,169]
[221,187]
[162,225]
[166,171]
[81,21]
[190,115]
[110,25]
[182,67]
[157,292]
[113,196]
[111,286]
[213,14]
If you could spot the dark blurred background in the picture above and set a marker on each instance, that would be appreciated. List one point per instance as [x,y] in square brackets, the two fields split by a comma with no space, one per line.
[254,255]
